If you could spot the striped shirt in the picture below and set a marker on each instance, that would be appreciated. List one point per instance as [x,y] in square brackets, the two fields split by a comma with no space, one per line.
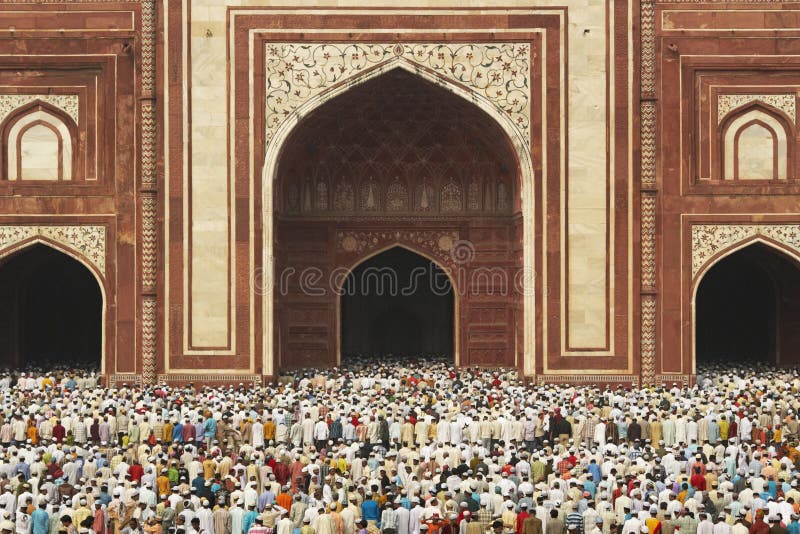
[574,522]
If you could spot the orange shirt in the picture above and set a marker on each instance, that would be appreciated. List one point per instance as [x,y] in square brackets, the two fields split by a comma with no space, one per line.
[284,500]
[33,434]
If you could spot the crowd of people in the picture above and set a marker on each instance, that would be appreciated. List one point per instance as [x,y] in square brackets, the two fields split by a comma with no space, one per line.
[415,447]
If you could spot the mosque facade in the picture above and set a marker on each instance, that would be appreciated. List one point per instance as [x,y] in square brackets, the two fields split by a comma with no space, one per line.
[576,169]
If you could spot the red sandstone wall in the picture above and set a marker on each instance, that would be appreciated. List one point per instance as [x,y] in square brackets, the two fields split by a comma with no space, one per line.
[704,52]
[90,50]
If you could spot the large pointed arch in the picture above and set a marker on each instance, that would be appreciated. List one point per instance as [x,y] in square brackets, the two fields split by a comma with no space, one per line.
[520,147]
[19,248]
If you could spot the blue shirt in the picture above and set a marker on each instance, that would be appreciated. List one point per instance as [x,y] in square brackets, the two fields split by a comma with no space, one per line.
[177,433]
[265,498]
[772,489]
[23,468]
[40,522]
[209,428]
[249,519]
[597,473]
[370,510]
[713,432]
[198,483]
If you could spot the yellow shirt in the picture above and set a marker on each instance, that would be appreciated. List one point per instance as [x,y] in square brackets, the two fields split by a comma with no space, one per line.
[724,426]
[209,469]
[166,433]
[162,482]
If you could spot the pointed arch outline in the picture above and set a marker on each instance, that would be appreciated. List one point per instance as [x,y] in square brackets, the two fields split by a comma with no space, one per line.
[344,274]
[729,125]
[789,252]
[774,137]
[14,126]
[20,247]
[526,191]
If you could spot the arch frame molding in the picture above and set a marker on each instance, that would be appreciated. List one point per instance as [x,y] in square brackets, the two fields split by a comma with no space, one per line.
[514,121]
[713,242]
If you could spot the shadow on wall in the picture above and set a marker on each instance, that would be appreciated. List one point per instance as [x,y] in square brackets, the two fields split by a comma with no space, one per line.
[50,310]
[748,308]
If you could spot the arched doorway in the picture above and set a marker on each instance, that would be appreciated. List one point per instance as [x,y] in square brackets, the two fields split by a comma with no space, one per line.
[396,159]
[51,311]
[747,309]
[397,304]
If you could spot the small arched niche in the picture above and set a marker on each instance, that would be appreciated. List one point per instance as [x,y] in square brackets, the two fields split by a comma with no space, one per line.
[755,145]
[40,144]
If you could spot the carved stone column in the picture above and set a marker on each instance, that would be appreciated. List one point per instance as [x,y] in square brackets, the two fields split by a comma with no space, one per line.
[148,196]
[649,193]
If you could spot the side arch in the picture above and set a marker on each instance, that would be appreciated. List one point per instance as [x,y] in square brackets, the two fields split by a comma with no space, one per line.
[20,247]
[525,172]
[343,274]
[783,249]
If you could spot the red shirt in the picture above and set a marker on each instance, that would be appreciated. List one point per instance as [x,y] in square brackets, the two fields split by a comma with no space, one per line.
[520,518]
[698,482]
[136,471]
[759,527]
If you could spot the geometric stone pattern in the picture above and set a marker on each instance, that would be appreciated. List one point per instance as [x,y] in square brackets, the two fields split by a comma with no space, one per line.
[66,103]
[88,240]
[148,44]
[668,380]
[647,172]
[149,241]
[149,339]
[648,143]
[648,240]
[249,380]
[709,239]
[148,247]
[296,72]
[126,378]
[648,47]
[586,379]
[148,143]
[783,102]
[648,347]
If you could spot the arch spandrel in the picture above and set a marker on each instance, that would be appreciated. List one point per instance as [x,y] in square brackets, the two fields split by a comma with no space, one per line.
[88,241]
[496,73]
[710,241]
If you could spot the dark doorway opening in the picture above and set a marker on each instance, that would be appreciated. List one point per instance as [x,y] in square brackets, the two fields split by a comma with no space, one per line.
[51,311]
[747,310]
[397,304]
